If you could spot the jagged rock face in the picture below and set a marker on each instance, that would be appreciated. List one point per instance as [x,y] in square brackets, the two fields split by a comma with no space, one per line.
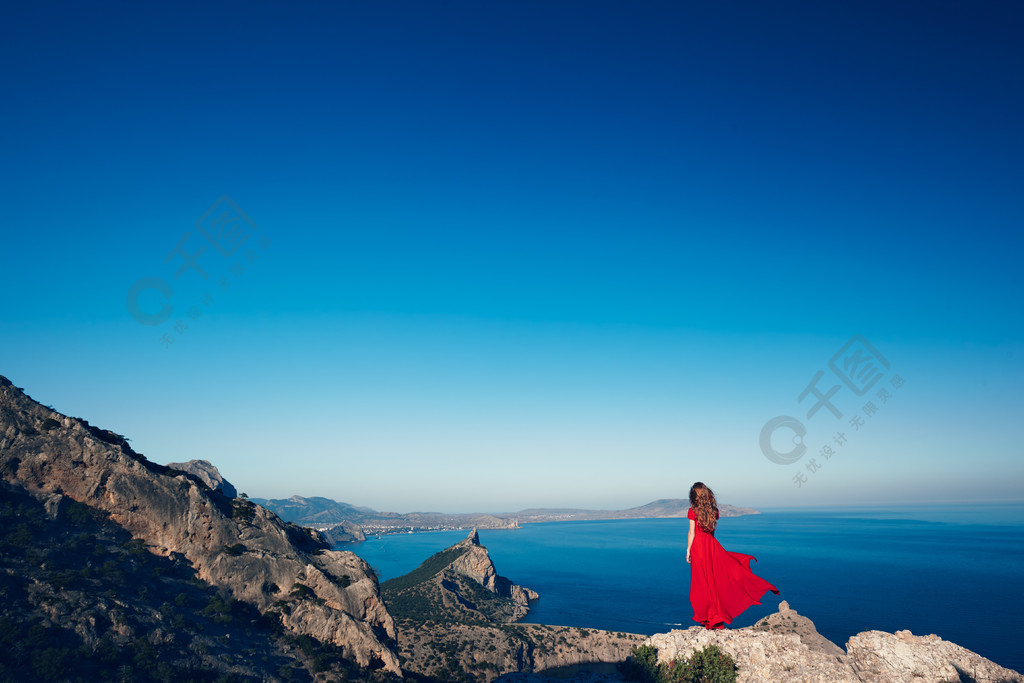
[787,648]
[460,585]
[208,474]
[493,651]
[786,620]
[759,656]
[237,545]
[77,582]
[477,565]
[902,656]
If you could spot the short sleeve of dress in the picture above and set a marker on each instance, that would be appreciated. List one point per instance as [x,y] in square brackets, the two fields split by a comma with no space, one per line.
[690,514]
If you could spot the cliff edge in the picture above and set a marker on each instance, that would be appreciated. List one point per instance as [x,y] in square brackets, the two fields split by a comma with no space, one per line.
[786,647]
[233,544]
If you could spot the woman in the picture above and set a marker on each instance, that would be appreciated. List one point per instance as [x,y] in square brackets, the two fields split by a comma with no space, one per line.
[721,583]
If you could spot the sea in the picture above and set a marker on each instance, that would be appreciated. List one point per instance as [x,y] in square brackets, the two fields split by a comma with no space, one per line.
[952,570]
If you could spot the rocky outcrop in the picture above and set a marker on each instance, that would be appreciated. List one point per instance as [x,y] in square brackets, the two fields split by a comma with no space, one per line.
[233,544]
[346,532]
[208,474]
[760,656]
[477,565]
[881,657]
[787,621]
[455,617]
[786,647]
[458,584]
[492,651]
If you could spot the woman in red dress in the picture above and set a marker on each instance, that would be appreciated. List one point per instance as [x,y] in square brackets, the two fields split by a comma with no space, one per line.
[721,583]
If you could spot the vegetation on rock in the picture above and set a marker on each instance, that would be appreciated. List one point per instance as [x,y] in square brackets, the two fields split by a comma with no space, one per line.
[707,665]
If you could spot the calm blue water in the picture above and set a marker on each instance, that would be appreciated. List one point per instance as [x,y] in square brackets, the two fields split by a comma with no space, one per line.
[955,570]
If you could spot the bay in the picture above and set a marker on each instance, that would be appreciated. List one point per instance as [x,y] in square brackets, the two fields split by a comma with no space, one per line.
[950,570]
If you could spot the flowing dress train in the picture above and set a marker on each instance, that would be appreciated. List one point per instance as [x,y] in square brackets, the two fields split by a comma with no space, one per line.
[722,584]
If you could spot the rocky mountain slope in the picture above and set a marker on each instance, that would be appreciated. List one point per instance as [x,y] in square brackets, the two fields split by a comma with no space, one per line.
[81,600]
[244,550]
[461,584]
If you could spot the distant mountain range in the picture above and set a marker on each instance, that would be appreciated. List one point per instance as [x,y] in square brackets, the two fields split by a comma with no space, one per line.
[326,513]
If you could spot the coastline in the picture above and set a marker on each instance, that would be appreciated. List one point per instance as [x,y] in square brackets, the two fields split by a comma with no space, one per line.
[630,575]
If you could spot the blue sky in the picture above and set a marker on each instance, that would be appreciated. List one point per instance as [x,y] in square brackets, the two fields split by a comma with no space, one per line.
[523,254]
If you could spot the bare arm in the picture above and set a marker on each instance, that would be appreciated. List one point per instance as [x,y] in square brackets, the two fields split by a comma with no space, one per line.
[689,539]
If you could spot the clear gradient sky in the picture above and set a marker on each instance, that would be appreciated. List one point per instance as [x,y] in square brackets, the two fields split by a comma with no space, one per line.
[513,254]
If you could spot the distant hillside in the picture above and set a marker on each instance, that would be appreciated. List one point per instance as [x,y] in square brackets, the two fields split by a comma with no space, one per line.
[317,511]
[324,513]
[659,509]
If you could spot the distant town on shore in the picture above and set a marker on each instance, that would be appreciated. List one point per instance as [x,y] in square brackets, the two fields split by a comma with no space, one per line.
[343,522]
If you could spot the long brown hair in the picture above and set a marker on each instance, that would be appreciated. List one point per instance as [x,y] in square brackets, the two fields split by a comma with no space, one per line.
[702,500]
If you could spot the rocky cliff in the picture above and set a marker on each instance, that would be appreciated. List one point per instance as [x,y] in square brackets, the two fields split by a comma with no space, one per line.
[785,647]
[476,564]
[474,652]
[346,532]
[233,544]
[208,473]
[459,584]
[81,600]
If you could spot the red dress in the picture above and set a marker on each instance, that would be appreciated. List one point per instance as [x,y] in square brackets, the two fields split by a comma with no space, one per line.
[721,583]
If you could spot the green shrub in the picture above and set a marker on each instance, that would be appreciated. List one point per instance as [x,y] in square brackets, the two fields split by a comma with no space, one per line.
[302,591]
[219,610]
[243,510]
[709,665]
[642,665]
[428,570]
